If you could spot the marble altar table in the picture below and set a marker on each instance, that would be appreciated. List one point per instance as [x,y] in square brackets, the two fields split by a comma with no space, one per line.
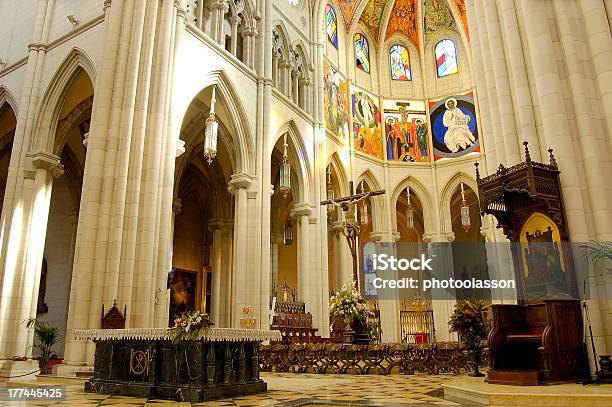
[143,362]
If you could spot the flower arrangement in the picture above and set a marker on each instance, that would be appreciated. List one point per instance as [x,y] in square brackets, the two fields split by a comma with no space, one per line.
[190,326]
[349,305]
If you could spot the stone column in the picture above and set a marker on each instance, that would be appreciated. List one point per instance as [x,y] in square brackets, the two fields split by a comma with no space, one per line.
[217,8]
[275,241]
[220,256]
[443,307]
[235,21]
[295,88]
[238,186]
[24,300]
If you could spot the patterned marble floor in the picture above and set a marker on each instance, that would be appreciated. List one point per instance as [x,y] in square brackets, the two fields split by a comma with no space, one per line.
[292,390]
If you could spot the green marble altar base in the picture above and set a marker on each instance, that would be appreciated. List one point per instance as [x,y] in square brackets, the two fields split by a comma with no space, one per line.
[192,371]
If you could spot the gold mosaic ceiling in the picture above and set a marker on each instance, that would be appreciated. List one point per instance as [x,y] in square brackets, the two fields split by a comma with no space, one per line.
[400,16]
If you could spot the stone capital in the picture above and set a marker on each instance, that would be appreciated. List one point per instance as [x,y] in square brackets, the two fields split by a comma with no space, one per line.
[302,209]
[180,147]
[47,161]
[177,205]
[376,236]
[240,181]
[220,224]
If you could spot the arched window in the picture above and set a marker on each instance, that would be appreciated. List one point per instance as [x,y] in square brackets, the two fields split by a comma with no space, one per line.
[446,58]
[332,25]
[399,60]
[362,53]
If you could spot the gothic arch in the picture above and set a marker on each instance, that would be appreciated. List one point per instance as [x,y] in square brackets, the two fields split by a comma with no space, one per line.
[54,96]
[238,120]
[282,45]
[302,164]
[64,125]
[377,205]
[447,194]
[422,194]
[338,169]
[6,96]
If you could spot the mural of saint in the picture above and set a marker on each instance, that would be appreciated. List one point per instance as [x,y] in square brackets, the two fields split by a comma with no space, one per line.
[367,136]
[454,127]
[405,132]
[458,135]
[335,102]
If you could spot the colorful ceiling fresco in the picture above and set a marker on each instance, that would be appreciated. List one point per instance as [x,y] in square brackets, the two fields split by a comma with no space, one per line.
[372,15]
[438,16]
[463,14]
[347,9]
[403,20]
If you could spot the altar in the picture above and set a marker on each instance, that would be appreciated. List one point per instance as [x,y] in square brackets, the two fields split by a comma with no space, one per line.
[143,362]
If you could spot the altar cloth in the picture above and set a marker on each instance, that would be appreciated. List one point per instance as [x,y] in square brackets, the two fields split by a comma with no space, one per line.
[211,334]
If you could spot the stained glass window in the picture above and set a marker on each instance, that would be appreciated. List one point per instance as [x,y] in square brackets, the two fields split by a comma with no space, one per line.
[362,53]
[332,25]
[446,58]
[400,63]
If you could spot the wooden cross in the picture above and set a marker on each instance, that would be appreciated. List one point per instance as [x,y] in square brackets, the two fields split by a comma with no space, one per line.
[351,227]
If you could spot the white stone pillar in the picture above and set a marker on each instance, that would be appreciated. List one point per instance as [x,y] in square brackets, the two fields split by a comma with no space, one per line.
[238,186]
[216,260]
[235,21]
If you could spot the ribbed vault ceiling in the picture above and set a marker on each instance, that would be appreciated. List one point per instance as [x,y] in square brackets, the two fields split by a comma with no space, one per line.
[385,18]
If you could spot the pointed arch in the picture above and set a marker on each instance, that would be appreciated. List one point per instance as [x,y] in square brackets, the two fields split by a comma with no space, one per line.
[237,120]
[54,96]
[6,96]
[280,29]
[422,194]
[377,204]
[339,170]
[446,196]
[302,162]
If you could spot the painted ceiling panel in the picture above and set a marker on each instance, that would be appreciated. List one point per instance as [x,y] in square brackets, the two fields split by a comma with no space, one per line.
[403,20]
[438,16]
[372,15]
[461,7]
[347,9]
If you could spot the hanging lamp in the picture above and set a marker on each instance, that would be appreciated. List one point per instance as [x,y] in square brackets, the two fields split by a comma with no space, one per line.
[285,171]
[210,132]
[465,211]
[409,211]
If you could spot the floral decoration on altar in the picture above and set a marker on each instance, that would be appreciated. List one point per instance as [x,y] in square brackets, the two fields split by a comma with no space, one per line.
[349,305]
[190,326]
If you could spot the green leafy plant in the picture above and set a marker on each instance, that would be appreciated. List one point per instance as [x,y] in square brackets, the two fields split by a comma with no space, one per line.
[45,337]
[468,320]
[190,326]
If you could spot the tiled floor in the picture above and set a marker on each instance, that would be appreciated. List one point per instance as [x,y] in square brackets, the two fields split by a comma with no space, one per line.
[291,390]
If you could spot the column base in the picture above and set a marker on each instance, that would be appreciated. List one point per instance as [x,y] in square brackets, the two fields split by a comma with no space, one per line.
[22,370]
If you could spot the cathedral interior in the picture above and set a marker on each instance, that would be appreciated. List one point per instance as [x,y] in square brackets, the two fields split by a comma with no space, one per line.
[248,159]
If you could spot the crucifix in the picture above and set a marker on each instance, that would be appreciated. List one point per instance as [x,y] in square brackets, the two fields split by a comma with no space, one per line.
[351,225]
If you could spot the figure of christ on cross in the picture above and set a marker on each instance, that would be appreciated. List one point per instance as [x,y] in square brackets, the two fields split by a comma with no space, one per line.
[351,226]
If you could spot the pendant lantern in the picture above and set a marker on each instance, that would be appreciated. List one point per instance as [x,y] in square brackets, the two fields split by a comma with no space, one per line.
[465,211]
[364,209]
[288,233]
[285,171]
[210,132]
[409,212]
[330,192]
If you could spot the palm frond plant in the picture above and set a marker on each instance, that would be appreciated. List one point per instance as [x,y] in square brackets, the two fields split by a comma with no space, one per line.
[45,336]
[468,320]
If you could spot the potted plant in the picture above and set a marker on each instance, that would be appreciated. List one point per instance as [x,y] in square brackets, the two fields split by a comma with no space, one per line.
[190,326]
[45,337]
[468,320]
[348,304]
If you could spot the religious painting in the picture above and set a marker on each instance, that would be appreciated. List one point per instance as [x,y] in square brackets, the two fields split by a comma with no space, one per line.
[347,9]
[542,257]
[406,131]
[454,127]
[335,102]
[182,293]
[367,134]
